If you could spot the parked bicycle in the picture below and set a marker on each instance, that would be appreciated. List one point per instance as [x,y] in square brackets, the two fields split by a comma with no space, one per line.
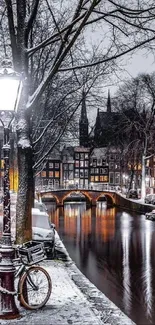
[34,286]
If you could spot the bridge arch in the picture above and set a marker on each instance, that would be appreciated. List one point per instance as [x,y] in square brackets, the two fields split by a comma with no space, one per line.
[109,197]
[86,194]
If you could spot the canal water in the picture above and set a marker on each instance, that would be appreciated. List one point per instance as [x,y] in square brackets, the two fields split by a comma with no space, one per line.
[115,250]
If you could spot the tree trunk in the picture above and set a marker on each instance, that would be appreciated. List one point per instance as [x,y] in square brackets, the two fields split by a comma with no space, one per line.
[25,196]
[25,173]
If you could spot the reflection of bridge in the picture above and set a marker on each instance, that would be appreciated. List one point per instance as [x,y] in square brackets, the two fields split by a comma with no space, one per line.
[91,195]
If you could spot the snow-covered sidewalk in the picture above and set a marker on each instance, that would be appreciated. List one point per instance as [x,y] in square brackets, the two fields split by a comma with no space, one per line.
[74,300]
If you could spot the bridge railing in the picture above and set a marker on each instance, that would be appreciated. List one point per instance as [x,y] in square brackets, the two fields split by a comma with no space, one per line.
[99,187]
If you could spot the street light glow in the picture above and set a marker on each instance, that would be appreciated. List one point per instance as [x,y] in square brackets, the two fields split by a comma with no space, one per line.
[8,93]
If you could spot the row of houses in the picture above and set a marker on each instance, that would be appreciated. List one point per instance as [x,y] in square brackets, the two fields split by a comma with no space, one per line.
[85,168]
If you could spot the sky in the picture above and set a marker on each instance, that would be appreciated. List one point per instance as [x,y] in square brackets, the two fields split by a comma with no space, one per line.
[141,62]
[131,66]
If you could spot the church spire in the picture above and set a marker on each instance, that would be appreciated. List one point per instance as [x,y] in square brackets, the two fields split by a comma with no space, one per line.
[83,109]
[109,102]
[98,130]
[83,123]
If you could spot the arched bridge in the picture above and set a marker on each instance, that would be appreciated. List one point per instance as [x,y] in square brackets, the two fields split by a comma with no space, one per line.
[91,195]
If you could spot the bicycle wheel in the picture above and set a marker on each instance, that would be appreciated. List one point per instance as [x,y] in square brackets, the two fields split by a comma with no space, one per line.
[35,287]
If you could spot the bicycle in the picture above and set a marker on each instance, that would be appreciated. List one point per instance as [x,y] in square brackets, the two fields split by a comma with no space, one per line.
[34,286]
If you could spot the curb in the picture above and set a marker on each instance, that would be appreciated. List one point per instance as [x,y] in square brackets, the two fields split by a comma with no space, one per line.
[103,307]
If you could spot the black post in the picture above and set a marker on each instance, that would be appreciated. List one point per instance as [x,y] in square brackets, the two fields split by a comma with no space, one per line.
[8,309]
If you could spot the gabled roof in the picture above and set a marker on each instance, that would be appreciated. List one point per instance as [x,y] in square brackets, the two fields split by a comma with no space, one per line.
[99,153]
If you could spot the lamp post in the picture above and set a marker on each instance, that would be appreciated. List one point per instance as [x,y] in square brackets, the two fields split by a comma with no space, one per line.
[10,88]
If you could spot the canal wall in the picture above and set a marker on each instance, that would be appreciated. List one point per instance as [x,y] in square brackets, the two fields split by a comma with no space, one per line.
[132,205]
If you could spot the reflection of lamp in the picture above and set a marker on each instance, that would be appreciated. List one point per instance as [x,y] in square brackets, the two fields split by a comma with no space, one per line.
[10,87]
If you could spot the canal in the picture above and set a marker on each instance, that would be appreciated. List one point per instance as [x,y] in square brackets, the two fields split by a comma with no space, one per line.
[115,250]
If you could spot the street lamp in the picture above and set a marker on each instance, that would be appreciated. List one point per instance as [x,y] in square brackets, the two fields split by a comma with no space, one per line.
[10,89]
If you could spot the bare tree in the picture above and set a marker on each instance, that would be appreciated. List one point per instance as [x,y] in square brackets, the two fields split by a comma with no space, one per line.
[136,103]
[66,45]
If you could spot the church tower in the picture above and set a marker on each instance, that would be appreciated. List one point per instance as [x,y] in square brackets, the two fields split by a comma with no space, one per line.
[83,124]
[97,131]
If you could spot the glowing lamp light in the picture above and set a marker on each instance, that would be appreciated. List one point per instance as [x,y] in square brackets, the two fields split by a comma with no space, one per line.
[10,87]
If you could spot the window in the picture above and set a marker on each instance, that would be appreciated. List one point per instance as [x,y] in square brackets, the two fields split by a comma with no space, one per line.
[111,157]
[111,178]
[81,173]
[96,178]
[57,165]
[65,166]
[111,165]
[76,155]
[92,178]
[99,162]
[117,165]
[92,170]
[71,175]
[86,156]
[117,157]
[76,173]
[86,163]
[81,163]
[86,173]
[94,163]
[104,162]
[43,173]
[104,179]
[81,156]
[56,174]
[76,163]
[70,166]
[50,174]
[103,170]
[96,170]
[50,165]
[91,162]
[2,163]
[117,178]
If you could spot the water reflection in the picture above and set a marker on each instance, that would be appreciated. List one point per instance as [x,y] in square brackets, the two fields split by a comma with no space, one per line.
[115,250]
[125,234]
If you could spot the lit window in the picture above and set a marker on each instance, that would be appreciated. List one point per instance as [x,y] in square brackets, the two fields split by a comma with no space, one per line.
[96,178]
[92,178]
[50,174]
[77,164]
[56,174]
[43,173]
[82,163]
[104,179]
[2,163]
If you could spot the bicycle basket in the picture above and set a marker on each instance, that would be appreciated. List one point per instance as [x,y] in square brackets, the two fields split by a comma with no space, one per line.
[32,252]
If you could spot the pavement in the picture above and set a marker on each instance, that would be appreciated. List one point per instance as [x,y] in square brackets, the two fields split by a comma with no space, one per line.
[74,299]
